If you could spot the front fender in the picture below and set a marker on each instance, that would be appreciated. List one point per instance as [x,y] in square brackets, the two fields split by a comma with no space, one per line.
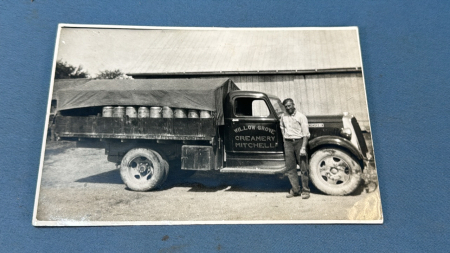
[335,141]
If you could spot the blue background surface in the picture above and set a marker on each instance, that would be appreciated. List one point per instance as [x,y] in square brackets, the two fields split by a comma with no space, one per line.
[405,48]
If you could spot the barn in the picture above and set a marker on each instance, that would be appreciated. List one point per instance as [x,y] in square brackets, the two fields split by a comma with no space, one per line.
[320,68]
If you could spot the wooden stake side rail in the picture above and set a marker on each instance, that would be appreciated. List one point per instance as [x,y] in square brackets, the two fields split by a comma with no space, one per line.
[135,128]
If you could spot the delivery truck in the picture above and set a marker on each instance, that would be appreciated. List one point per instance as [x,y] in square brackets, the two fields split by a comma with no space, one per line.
[152,127]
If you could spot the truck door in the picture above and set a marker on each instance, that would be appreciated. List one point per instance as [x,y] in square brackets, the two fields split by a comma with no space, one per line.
[252,133]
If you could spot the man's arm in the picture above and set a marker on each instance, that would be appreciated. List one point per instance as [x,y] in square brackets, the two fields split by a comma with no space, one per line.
[303,149]
[306,134]
[282,126]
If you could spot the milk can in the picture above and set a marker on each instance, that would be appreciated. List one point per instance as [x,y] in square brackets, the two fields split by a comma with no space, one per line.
[131,112]
[192,114]
[107,111]
[155,112]
[118,112]
[167,112]
[205,114]
[180,113]
[143,112]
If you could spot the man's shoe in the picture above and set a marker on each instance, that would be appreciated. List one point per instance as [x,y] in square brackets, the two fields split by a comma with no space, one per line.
[305,195]
[292,194]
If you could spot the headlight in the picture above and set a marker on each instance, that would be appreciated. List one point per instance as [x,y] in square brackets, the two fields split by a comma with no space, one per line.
[346,133]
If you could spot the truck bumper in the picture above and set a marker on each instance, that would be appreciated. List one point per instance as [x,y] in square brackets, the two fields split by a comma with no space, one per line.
[370,176]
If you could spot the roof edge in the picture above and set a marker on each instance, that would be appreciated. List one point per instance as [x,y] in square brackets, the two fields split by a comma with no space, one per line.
[249,72]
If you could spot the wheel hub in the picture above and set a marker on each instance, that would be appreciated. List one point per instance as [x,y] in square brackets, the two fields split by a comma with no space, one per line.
[333,170]
[143,167]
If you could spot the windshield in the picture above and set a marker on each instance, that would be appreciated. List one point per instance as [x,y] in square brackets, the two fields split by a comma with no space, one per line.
[278,106]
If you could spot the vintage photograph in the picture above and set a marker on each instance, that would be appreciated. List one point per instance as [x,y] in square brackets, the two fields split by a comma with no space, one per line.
[189,125]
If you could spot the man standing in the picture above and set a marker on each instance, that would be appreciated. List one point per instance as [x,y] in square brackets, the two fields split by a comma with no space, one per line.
[294,127]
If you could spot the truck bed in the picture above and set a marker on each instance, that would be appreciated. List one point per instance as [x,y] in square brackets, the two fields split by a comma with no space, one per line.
[135,128]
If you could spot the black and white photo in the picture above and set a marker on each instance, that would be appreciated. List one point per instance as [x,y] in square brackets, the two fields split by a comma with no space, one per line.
[187,125]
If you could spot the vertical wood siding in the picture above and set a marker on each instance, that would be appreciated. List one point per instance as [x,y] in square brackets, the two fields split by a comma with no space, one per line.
[324,94]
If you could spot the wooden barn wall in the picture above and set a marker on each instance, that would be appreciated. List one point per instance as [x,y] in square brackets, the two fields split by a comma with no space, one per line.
[323,94]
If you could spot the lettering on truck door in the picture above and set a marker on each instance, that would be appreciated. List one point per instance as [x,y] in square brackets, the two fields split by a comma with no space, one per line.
[252,133]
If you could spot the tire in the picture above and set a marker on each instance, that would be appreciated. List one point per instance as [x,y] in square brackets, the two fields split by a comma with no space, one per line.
[334,172]
[142,169]
[165,166]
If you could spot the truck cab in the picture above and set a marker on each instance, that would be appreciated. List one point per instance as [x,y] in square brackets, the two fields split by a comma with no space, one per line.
[338,153]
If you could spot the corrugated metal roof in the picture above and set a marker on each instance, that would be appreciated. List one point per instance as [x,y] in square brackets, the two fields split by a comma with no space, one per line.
[247,50]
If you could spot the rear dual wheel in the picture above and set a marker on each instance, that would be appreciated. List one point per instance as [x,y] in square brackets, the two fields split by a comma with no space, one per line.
[143,169]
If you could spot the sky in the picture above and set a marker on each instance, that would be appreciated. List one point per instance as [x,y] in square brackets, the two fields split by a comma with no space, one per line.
[100,49]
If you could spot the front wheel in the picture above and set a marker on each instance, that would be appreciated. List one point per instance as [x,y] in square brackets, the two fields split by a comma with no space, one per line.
[143,169]
[334,172]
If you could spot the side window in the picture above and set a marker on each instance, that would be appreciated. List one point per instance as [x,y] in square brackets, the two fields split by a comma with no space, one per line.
[259,108]
[251,107]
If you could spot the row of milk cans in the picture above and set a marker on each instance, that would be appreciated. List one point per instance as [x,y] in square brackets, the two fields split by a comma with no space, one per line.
[153,112]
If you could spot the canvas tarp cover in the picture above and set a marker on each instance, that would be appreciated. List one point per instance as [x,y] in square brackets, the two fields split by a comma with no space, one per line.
[66,83]
[201,94]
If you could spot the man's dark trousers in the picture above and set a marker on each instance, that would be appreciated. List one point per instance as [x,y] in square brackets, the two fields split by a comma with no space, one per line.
[292,155]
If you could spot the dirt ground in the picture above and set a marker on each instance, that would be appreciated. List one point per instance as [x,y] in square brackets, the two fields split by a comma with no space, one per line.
[80,185]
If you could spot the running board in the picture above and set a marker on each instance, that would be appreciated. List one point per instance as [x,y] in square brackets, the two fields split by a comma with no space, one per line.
[253,170]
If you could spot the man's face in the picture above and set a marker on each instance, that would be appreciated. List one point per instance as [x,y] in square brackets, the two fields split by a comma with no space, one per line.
[290,108]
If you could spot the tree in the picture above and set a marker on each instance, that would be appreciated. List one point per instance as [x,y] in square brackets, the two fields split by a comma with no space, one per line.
[64,70]
[112,74]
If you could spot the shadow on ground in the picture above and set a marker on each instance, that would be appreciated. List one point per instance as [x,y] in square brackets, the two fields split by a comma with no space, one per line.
[214,182]
[110,177]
